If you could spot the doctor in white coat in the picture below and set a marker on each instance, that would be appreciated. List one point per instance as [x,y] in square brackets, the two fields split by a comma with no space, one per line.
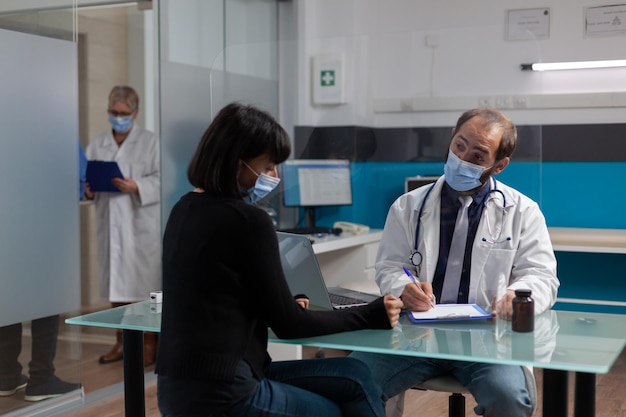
[507,247]
[128,222]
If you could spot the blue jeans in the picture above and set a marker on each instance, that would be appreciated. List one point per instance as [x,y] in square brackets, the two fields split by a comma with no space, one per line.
[499,390]
[333,387]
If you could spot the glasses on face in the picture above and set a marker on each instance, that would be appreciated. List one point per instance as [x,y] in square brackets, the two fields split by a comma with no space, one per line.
[119,113]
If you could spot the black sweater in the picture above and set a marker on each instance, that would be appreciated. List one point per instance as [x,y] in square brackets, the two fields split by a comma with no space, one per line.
[223,285]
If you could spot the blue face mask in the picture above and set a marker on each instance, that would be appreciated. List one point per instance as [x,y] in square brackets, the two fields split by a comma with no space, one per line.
[462,175]
[264,185]
[121,124]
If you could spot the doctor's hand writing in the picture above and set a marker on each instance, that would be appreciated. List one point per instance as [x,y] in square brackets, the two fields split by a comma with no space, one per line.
[418,296]
[393,305]
[126,185]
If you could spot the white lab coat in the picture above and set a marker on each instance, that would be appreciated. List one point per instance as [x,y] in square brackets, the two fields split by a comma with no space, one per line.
[525,261]
[128,226]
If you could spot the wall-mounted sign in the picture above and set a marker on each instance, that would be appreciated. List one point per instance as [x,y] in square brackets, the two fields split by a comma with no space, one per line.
[605,20]
[328,81]
[528,24]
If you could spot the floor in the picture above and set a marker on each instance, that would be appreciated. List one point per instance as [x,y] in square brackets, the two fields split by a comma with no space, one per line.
[610,391]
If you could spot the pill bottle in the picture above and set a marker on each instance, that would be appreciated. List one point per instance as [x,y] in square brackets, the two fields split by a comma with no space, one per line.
[523,312]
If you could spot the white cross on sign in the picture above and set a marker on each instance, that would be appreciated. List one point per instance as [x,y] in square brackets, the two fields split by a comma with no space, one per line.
[327,78]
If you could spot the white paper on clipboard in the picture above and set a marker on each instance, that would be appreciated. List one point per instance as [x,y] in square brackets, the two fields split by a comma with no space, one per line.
[449,312]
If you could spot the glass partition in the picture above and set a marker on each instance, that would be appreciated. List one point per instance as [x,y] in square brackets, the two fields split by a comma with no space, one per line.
[409,70]
[40,249]
[405,73]
[401,74]
[211,53]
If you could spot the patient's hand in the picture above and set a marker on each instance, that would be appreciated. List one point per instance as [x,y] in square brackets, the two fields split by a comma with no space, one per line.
[304,302]
[393,305]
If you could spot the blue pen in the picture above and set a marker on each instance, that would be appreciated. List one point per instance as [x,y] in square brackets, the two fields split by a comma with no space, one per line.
[410,275]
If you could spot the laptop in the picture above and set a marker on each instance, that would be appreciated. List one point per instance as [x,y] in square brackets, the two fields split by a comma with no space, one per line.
[304,276]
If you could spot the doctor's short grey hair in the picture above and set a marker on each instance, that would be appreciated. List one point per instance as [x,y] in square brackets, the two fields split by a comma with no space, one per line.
[124,94]
[497,119]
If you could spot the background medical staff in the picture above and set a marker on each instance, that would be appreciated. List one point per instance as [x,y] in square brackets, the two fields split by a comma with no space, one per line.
[128,222]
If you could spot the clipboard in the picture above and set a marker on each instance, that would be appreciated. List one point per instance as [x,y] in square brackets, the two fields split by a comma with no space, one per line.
[449,312]
[100,173]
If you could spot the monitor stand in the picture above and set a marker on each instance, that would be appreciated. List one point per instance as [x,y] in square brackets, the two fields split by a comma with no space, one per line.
[310,228]
[309,217]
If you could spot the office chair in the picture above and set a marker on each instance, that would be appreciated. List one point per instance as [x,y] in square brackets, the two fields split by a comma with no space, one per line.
[456,400]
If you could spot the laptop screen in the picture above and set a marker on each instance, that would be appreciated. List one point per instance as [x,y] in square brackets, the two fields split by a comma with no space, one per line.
[301,269]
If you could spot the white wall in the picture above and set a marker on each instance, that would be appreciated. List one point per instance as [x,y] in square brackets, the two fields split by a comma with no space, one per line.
[386,57]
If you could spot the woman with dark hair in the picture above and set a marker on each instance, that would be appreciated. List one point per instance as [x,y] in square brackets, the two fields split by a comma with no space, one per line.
[223,286]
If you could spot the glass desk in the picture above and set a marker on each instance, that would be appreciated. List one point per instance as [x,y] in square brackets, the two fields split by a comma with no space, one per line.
[563,341]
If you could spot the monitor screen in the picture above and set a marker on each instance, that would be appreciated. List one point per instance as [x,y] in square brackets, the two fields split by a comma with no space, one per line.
[316,182]
[411,183]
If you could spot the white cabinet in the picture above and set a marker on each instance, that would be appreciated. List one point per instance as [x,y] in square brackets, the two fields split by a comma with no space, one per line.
[597,241]
[568,239]
[348,260]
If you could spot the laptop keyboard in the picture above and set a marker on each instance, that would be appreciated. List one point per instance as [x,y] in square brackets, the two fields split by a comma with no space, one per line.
[341,300]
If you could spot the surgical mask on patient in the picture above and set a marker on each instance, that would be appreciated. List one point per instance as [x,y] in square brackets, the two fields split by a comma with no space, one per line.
[121,124]
[264,185]
[462,175]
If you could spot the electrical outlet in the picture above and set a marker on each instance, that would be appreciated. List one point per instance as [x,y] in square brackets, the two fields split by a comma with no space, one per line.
[406,105]
[485,102]
[520,102]
[504,102]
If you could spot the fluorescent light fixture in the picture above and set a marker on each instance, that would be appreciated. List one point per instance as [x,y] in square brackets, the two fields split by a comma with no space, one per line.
[549,66]
[95,5]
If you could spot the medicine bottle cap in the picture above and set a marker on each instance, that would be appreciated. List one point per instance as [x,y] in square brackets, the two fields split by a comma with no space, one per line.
[523,293]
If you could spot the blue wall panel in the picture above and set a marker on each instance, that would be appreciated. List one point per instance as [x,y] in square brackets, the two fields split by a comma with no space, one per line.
[571,194]
[585,194]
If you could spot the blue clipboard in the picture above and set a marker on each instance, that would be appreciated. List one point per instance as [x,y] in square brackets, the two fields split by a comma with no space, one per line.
[100,173]
[449,312]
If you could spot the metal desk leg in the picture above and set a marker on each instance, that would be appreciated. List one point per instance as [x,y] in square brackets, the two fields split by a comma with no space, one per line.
[554,393]
[585,395]
[134,390]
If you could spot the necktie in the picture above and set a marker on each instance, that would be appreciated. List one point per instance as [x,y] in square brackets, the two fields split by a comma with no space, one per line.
[452,279]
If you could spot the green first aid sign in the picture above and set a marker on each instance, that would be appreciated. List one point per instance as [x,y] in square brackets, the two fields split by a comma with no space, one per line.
[327,78]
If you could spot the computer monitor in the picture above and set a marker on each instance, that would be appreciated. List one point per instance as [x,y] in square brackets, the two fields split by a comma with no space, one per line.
[311,183]
[411,183]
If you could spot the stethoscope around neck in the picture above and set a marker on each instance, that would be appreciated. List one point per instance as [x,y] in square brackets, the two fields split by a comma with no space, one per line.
[416,255]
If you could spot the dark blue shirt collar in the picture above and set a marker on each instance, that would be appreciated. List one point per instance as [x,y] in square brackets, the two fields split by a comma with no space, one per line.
[450,197]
